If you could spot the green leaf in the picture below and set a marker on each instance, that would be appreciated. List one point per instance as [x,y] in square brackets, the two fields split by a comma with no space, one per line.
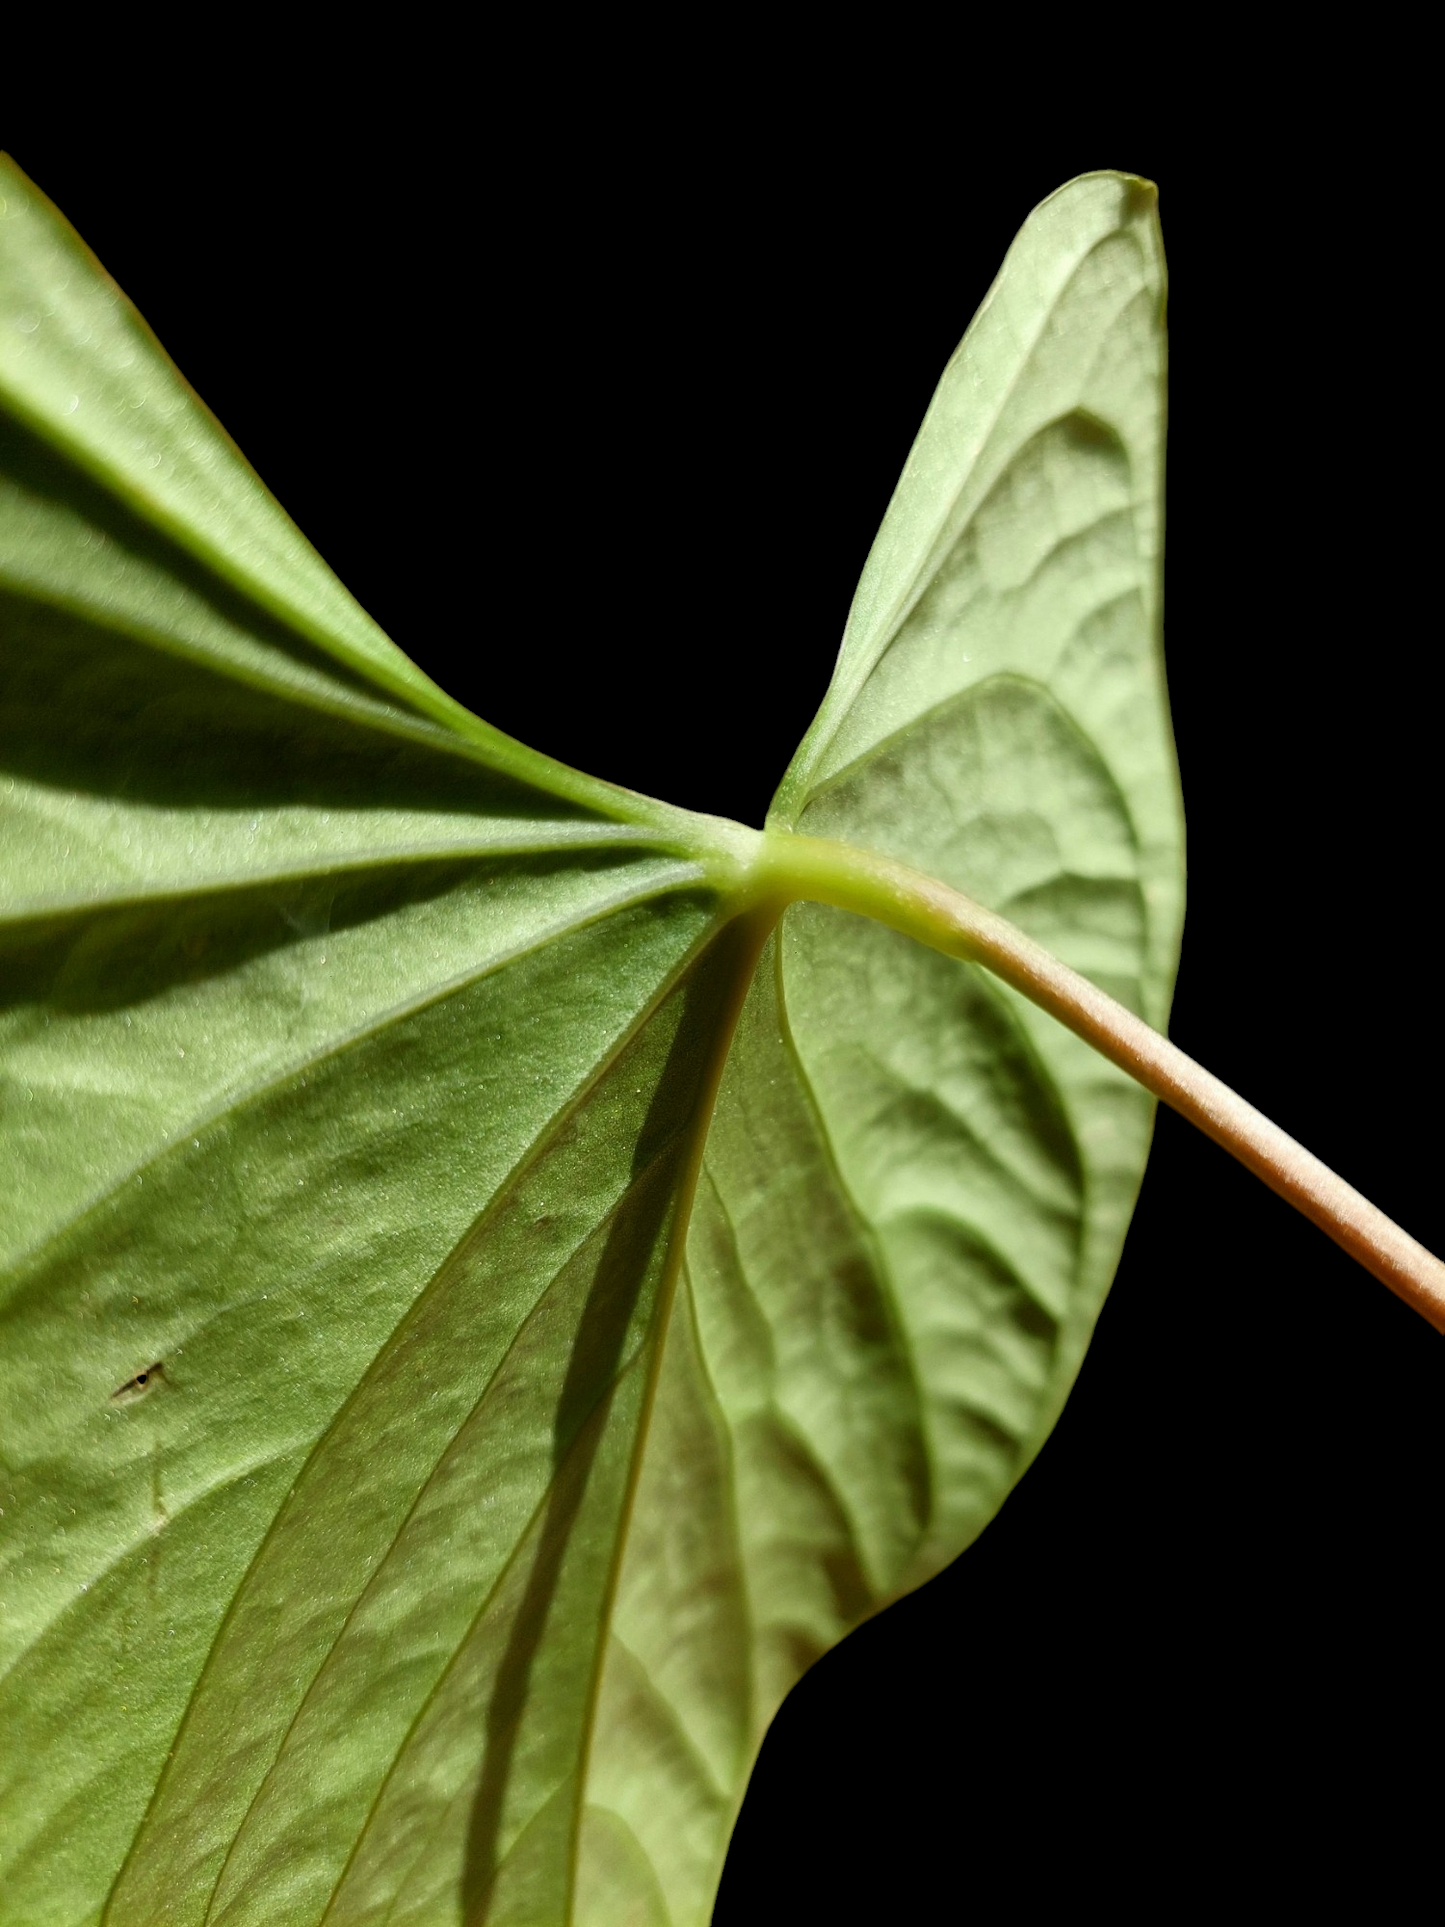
[484,1304]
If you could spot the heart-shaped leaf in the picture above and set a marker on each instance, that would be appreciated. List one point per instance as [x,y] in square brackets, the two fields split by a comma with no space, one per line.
[485,1303]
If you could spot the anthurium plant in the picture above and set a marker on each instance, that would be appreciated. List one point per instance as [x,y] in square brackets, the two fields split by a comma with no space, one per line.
[501,1272]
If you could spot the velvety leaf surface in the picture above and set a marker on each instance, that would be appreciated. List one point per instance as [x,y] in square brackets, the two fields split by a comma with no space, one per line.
[436,1433]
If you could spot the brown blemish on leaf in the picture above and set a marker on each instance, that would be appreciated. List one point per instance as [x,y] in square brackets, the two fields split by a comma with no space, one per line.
[140,1385]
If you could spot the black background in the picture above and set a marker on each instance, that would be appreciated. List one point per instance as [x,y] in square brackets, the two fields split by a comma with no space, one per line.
[598,418]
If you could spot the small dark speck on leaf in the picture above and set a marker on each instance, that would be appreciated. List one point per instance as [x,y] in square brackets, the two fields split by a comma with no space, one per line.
[138,1386]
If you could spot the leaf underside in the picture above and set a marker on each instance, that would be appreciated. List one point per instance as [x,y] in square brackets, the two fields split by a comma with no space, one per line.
[481,1315]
